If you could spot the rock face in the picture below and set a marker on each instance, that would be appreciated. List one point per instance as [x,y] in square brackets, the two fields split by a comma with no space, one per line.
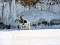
[28,2]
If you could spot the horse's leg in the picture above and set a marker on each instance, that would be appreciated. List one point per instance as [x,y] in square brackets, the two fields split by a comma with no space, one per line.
[20,26]
[28,26]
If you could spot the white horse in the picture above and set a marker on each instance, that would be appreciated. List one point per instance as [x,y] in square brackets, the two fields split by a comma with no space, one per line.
[26,26]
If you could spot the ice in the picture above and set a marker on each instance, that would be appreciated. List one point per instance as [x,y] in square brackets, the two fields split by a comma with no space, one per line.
[1,9]
[46,27]
[31,14]
[13,10]
[6,13]
[34,16]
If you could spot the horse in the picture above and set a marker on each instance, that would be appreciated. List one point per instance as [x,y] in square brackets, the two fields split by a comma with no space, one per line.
[25,26]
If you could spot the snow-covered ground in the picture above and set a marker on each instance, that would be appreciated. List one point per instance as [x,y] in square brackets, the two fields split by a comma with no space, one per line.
[41,37]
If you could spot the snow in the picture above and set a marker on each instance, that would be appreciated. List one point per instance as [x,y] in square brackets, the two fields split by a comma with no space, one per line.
[35,15]
[1,9]
[45,27]
[13,10]
[41,37]
[6,13]
[55,9]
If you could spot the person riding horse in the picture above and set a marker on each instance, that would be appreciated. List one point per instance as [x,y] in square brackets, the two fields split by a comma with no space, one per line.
[23,23]
[21,20]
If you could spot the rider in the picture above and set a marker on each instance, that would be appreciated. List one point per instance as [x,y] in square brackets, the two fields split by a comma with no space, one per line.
[21,20]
